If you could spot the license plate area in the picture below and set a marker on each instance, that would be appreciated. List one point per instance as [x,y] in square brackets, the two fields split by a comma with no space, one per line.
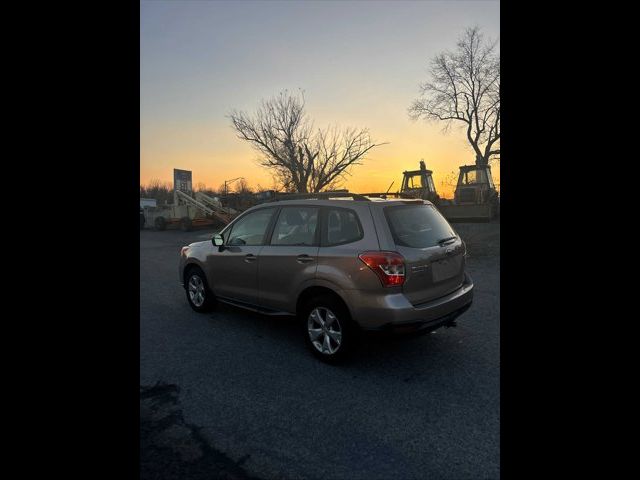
[446,268]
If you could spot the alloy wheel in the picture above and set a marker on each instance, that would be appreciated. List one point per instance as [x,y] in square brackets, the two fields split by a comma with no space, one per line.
[325,331]
[196,290]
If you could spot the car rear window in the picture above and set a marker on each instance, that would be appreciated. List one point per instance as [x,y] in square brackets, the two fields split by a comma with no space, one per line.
[417,226]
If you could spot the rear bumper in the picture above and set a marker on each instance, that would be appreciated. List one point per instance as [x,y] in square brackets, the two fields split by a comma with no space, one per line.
[394,312]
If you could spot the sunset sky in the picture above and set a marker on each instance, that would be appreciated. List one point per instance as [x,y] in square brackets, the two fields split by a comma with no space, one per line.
[359,64]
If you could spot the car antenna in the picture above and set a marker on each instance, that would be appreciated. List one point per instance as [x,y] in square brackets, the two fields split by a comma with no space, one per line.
[389,187]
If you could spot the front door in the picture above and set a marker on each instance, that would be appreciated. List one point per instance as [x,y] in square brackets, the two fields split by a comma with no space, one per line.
[234,270]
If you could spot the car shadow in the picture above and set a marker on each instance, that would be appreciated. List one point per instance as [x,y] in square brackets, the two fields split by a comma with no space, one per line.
[285,333]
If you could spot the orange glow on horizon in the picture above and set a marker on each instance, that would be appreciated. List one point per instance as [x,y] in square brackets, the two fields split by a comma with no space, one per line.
[214,154]
[384,166]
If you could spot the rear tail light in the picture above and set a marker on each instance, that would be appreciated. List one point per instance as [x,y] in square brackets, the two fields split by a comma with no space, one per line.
[388,266]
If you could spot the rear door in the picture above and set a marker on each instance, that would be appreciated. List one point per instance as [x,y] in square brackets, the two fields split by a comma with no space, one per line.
[290,258]
[434,254]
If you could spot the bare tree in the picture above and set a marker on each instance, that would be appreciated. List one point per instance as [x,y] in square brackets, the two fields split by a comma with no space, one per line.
[337,151]
[161,191]
[464,89]
[301,158]
[243,187]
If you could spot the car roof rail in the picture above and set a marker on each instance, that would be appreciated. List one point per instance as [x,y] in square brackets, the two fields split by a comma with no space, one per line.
[319,196]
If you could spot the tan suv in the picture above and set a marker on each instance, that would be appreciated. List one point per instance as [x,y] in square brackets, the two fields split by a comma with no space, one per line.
[341,266]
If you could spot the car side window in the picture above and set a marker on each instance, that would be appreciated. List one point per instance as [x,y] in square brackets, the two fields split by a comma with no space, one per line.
[250,230]
[342,226]
[296,226]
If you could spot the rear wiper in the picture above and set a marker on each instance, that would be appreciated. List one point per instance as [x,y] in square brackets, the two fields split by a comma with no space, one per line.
[445,240]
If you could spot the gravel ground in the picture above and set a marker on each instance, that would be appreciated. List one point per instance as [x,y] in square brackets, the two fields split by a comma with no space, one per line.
[233,394]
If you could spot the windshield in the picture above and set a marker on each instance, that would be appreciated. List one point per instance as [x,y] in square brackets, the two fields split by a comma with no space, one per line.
[418,226]
[474,177]
[415,181]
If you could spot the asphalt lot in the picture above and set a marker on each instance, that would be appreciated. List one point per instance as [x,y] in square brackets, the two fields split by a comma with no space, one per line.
[423,407]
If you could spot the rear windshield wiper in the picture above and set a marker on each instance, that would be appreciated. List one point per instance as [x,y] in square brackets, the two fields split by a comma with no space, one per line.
[446,239]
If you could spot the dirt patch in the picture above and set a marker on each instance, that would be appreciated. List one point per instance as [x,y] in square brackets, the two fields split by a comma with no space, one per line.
[170,449]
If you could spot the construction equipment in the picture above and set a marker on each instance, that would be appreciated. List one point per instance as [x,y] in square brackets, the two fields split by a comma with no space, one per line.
[415,184]
[215,205]
[419,184]
[475,197]
[187,210]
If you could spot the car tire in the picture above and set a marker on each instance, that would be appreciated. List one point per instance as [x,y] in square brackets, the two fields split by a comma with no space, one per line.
[316,312]
[160,223]
[196,287]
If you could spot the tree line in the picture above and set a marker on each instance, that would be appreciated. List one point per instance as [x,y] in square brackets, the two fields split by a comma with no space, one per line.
[162,192]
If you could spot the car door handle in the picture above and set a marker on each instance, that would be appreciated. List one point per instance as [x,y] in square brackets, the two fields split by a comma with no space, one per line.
[250,257]
[304,258]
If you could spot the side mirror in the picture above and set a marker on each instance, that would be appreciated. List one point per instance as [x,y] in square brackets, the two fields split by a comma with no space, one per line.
[217,240]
